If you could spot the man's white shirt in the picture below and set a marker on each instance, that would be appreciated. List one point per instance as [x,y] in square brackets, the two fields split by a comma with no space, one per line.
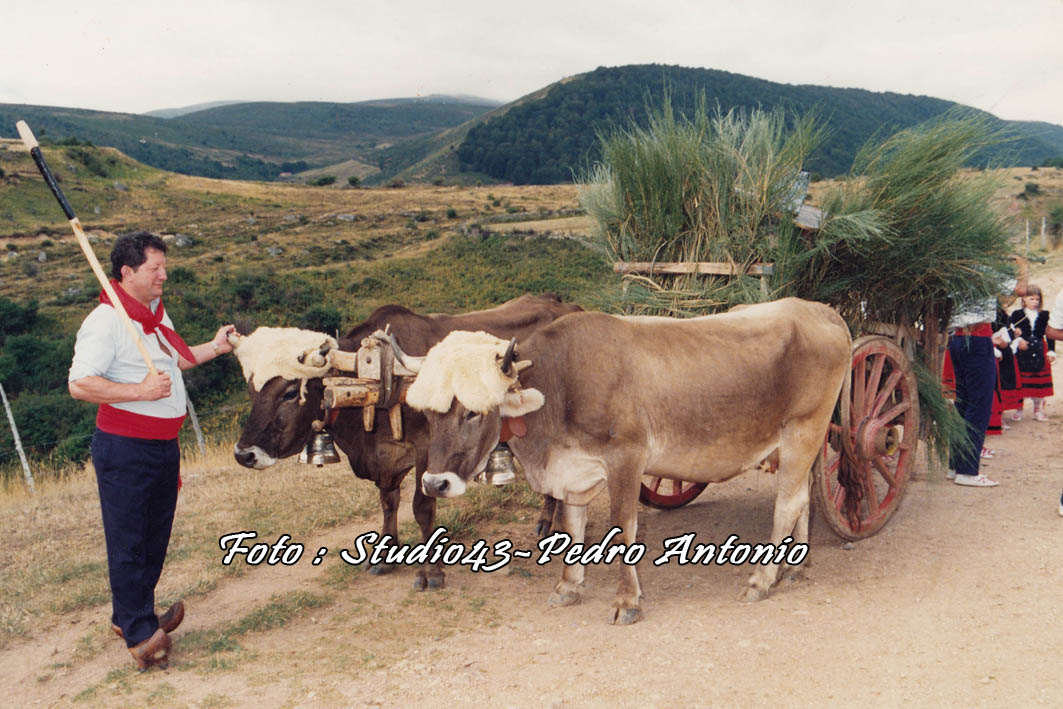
[105,349]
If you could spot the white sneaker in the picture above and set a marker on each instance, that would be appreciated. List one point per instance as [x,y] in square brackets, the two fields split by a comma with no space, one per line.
[950,475]
[979,480]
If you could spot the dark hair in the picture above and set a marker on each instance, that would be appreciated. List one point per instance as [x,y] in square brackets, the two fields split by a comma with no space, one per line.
[129,251]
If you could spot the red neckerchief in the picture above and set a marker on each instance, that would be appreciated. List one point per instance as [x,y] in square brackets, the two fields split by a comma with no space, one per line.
[148,320]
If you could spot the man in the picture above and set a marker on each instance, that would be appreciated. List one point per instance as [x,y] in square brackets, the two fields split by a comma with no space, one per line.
[974,362]
[134,448]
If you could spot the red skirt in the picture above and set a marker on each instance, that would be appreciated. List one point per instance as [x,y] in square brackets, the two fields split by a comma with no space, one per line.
[1036,385]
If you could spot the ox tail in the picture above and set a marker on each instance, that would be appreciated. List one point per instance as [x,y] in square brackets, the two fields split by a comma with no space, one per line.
[848,469]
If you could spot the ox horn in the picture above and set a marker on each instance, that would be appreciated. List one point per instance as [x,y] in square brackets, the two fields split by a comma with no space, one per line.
[320,360]
[507,358]
[411,363]
[234,339]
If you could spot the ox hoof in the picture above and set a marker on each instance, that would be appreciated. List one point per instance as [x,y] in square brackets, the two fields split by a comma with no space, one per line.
[626,616]
[430,582]
[795,574]
[560,599]
[378,569]
[542,529]
[752,595]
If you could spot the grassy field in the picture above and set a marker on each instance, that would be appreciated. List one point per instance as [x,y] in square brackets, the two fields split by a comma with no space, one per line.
[432,248]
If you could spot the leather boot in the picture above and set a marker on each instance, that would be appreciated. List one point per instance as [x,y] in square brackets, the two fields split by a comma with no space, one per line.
[153,651]
[168,621]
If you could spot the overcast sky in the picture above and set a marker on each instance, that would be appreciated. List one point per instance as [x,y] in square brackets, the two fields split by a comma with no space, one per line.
[119,55]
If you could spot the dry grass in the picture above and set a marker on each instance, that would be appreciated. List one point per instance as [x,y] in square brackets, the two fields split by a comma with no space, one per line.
[53,560]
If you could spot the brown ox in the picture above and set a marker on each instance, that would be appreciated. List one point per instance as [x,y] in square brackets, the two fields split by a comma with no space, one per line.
[607,399]
[280,422]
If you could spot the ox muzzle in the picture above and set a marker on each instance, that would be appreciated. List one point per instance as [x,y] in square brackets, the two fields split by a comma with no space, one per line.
[443,485]
[253,457]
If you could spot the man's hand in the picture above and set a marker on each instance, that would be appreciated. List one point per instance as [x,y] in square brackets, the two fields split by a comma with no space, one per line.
[1022,344]
[155,386]
[220,343]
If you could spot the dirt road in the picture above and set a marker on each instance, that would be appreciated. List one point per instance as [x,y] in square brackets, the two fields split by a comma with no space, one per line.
[956,601]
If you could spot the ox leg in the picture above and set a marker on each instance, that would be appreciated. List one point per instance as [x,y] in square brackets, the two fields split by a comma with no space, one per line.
[791,506]
[424,511]
[568,591]
[797,573]
[546,517]
[623,513]
[389,503]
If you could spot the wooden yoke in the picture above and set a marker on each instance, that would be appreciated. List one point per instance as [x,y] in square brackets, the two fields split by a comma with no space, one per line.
[380,381]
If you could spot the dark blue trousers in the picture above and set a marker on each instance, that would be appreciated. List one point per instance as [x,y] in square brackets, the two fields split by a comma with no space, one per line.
[137,479]
[976,378]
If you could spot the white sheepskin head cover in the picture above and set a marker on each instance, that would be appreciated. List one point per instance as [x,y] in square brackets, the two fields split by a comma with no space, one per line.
[275,351]
[465,366]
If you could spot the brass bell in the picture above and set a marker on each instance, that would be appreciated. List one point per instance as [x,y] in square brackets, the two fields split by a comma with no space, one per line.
[319,450]
[500,469]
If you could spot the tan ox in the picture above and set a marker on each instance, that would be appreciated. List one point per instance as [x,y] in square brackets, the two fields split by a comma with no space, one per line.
[606,399]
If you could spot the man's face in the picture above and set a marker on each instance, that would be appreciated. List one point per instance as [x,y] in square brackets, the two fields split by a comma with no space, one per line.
[145,282]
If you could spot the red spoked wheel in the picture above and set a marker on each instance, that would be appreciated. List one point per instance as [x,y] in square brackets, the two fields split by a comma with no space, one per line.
[875,433]
[668,494]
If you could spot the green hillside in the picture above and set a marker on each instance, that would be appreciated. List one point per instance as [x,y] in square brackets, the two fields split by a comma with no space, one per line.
[544,141]
[251,140]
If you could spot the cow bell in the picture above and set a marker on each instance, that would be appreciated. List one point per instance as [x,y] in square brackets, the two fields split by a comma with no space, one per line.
[500,469]
[319,450]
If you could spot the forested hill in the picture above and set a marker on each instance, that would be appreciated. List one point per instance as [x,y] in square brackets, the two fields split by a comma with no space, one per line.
[251,140]
[545,141]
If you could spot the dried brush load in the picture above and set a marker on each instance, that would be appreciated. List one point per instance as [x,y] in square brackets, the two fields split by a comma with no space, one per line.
[904,237]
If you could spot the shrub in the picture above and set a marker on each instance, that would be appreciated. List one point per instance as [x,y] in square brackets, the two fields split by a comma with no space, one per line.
[1032,188]
[353,181]
[396,183]
[50,422]
[181,274]
[321,318]
[1055,225]
[324,181]
[452,213]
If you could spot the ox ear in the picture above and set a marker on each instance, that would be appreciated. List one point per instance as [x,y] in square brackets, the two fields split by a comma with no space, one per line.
[521,401]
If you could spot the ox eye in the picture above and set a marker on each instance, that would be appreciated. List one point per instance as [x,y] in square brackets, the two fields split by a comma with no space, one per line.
[290,394]
[471,415]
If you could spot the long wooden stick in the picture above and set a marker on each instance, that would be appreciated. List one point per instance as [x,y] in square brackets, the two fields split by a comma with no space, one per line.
[26,134]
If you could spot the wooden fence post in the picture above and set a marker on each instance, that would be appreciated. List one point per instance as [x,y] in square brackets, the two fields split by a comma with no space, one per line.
[18,442]
[195,427]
